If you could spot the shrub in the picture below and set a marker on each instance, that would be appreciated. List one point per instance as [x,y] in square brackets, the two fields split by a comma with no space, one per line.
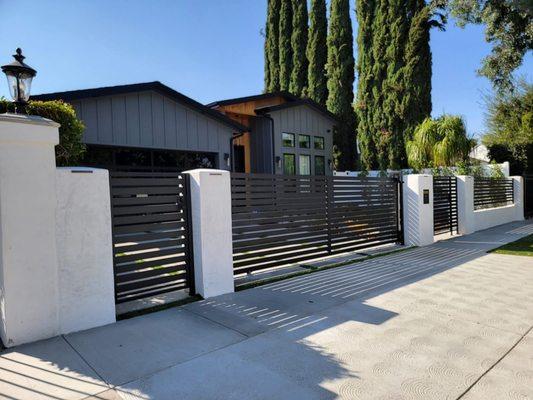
[496,170]
[70,149]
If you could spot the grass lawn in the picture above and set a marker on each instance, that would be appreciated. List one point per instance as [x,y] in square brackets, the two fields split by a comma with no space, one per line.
[522,247]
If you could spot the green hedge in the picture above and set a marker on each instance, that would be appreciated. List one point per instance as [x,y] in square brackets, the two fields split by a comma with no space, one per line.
[70,150]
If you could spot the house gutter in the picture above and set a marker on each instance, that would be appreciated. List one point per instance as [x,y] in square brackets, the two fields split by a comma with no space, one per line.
[231,140]
[273,142]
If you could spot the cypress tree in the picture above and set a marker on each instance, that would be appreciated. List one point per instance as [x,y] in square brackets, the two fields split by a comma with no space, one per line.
[271,47]
[285,46]
[418,67]
[341,72]
[298,84]
[376,117]
[394,65]
[394,85]
[365,14]
[317,53]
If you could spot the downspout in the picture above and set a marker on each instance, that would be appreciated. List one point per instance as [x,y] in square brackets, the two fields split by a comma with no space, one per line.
[273,142]
[231,140]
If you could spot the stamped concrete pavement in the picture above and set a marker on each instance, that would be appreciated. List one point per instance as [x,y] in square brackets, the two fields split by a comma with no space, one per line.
[448,321]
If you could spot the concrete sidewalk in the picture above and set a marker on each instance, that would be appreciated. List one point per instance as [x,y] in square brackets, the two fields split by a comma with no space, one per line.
[447,321]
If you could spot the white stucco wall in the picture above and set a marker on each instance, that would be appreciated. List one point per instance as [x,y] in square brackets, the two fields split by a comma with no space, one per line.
[417,216]
[84,247]
[28,258]
[211,227]
[465,204]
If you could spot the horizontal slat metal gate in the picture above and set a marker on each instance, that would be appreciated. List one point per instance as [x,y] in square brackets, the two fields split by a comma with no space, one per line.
[445,217]
[152,249]
[279,219]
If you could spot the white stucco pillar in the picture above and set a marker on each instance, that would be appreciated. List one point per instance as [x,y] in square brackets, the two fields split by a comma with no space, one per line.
[211,227]
[465,204]
[518,187]
[28,256]
[418,210]
[85,249]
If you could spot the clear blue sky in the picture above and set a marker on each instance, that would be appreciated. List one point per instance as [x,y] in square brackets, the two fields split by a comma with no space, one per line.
[206,49]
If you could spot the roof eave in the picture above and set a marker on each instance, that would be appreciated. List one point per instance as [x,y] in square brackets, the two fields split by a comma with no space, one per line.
[139,87]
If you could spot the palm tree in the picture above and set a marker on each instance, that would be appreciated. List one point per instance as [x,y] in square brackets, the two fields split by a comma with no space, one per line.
[440,142]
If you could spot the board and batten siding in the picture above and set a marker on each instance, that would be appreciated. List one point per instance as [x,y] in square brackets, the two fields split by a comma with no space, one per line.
[303,120]
[151,120]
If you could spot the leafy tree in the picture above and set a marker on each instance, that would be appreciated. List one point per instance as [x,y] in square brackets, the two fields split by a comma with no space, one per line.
[70,149]
[317,52]
[340,71]
[271,47]
[298,84]
[509,28]
[510,126]
[440,142]
[285,46]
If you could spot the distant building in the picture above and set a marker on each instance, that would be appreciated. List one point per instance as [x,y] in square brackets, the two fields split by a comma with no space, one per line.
[480,153]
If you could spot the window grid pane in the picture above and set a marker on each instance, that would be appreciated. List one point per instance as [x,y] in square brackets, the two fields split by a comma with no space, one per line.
[305,165]
[304,141]
[319,142]
[320,166]
[289,167]
[288,139]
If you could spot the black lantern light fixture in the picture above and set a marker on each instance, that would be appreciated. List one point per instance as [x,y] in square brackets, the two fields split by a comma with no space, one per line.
[19,76]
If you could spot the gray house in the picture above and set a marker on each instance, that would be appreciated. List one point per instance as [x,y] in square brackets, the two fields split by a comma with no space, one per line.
[286,135]
[149,125]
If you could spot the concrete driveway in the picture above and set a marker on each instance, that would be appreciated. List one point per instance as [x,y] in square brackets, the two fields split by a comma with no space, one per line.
[448,321]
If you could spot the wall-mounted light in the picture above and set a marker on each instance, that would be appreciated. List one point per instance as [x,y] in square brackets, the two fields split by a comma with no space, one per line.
[227,159]
[278,161]
[19,76]
[329,163]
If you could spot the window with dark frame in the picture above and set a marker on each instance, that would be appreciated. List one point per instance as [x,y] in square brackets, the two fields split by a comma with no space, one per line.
[304,164]
[289,164]
[287,139]
[304,141]
[320,165]
[319,143]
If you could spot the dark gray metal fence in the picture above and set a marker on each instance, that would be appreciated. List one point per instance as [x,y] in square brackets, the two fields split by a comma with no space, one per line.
[279,219]
[492,192]
[152,247]
[445,217]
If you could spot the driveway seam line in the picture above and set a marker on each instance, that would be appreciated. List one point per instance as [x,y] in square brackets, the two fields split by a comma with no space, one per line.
[85,361]
[496,363]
